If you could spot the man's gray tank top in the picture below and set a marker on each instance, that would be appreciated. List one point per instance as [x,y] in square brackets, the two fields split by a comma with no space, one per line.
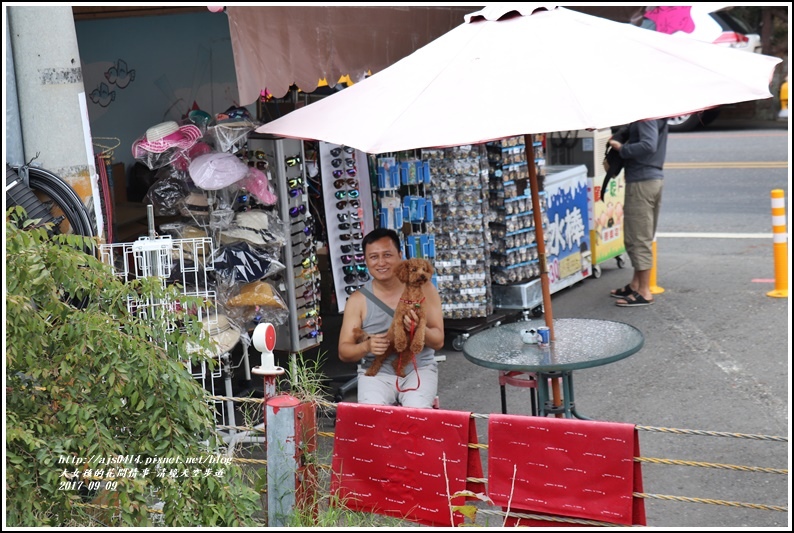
[377,320]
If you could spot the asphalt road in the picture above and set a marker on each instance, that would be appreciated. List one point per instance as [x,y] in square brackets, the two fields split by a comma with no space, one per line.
[716,354]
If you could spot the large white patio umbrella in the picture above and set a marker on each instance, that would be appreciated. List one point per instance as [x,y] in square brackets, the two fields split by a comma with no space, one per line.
[521,69]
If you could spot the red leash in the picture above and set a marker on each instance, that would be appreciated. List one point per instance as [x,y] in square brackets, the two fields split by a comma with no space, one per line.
[413,358]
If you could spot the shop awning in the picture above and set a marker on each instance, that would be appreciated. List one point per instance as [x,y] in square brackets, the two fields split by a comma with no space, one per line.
[278,46]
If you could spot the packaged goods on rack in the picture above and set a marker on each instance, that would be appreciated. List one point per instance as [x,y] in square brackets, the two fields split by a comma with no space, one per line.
[459,176]
[514,255]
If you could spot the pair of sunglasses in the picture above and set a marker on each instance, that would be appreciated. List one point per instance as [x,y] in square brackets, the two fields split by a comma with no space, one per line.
[347,259]
[312,322]
[297,191]
[305,231]
[350,289]
[347,248]
[312,334]
[350,182]
[346,225]
[259,154]
[340,195]
[352,278]
[348,236]
[342,217]
[354,269]
[336,151]
[292,161]
[340,173]
[348,161]
[295,182]
[297,211]
[343,204]
[309,314]
[309,261]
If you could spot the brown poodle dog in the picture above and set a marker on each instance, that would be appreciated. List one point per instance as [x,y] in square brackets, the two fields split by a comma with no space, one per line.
[414,273]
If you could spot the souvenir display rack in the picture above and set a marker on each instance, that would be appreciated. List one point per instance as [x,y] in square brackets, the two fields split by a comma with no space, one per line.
[460,224]
[514,256]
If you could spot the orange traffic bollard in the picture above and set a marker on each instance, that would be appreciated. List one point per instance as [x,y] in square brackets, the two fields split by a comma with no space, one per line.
[780,244]
[655,289]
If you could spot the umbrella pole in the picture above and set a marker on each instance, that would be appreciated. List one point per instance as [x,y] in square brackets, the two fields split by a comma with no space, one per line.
[541,243]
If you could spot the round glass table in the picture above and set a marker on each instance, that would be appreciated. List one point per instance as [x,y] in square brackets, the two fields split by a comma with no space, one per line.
[579,343]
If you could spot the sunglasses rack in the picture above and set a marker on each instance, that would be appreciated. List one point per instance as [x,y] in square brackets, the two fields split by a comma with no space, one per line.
[300,281]
[347,202]
[459,177]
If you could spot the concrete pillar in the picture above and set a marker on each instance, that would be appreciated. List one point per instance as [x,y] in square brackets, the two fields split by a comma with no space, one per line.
[51,94]
[13,141]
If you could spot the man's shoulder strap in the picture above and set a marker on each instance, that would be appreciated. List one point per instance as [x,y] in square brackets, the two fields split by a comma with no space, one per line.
[377,301]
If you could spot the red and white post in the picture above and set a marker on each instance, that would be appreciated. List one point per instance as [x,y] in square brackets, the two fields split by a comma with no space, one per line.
[780,244]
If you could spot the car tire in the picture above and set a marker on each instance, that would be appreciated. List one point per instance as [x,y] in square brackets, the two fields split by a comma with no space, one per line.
[693,121]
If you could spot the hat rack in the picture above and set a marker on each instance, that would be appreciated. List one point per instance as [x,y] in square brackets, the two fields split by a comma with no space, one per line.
[187,263]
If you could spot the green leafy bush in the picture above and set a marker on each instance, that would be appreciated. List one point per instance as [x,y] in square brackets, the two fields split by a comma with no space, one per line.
[86,385]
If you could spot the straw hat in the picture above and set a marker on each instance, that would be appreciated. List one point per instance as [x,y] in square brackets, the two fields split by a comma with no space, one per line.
[224,335]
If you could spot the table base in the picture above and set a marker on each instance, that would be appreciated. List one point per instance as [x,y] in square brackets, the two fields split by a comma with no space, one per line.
[542,402]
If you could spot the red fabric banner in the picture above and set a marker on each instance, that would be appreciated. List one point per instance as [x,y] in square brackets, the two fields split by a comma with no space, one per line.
[565,467]
[391,461]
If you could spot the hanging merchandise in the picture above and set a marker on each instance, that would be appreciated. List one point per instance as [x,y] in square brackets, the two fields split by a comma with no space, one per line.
[232,128]
[347,196]
[241,262]
[462,260]
[163,142]
[168,192]
[217,170]
[515,266]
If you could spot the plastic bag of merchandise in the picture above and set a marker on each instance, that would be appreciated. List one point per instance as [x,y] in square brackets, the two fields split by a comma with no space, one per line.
[216,170]
[167,193]
[257,302]
[256,227]
[258,184]
[231,129]
[242,263]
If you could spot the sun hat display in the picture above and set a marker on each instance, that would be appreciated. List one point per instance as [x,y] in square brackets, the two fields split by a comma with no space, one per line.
[223,333]
[164,136]
[259,293]
[217,170]
[234,115]
[200,118]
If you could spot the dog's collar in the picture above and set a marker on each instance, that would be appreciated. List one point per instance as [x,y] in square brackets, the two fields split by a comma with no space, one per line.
[415,303]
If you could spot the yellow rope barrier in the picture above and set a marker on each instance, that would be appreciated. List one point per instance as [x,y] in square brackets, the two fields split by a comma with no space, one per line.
[711,502]
[712,433]
[655,460]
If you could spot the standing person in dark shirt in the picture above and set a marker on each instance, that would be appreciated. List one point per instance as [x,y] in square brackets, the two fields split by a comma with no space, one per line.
[643,147]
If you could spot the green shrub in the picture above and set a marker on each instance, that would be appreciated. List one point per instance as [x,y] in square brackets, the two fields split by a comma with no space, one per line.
[86,385]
